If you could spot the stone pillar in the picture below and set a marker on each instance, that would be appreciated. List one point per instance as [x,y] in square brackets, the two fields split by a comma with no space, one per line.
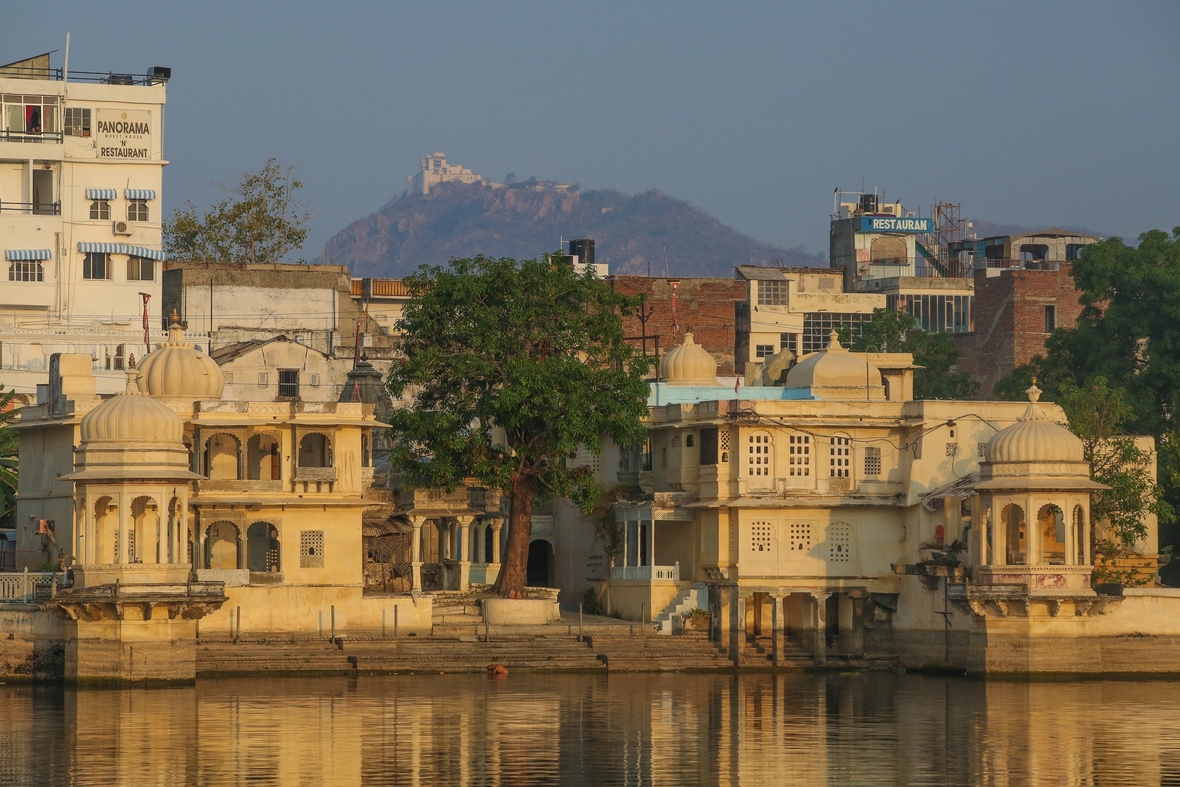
[737,637]
[1086,536]
[1034,539]
[777,628]
[124,555]
[651,546]
[464,557]
[416,553]
[496,542]
[821,627]
[999,533]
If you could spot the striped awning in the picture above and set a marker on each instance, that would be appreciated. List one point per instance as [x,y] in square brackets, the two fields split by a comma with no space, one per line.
[107,194]
[121,248]
[140,193]
[28,254]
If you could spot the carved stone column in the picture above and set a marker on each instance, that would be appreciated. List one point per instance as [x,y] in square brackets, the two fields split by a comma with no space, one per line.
[777,629]
[821,627]
[416,553]
[464,558]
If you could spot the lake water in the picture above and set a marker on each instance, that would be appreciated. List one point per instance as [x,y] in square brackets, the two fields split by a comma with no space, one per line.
[785,729]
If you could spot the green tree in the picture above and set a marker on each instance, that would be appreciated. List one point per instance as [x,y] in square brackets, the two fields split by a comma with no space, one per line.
[9,444]
[894,331]
[1126,341]
[513,365]
[261,221]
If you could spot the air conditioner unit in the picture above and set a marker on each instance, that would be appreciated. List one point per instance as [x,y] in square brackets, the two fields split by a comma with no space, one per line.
[122,228]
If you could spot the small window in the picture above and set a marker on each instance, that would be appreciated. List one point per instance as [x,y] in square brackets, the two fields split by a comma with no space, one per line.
[140,269]
[772,293]
[96,265]
[229,377]
[981,450]
[840,456]
[689,441]
[952,449]
[137,210]
[100,209]
[872,461]
[801,537]
[289,383]
[263,380]
[760,537]
[786,341]
[800,455]
[77,122]
[764,350]
[311,549]
[315,379]
[26,270]
[1050,319]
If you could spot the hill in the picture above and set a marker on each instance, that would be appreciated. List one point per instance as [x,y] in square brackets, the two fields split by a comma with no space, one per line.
[527,219]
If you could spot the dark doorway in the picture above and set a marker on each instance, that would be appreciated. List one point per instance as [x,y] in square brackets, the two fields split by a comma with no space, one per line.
[540,567]
[262,548]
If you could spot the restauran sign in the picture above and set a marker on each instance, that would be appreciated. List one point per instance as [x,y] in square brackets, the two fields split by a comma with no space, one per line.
[122,133]
[891,224]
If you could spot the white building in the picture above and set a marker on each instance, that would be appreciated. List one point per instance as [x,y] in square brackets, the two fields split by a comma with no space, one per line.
[81,166]
[435,170]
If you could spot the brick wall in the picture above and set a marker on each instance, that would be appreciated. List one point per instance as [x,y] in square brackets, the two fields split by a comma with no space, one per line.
[1010,320]
[704,307]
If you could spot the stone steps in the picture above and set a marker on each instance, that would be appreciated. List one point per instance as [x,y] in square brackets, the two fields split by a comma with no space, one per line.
[659,653]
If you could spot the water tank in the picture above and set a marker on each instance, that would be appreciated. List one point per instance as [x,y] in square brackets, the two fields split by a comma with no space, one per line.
[583,249]
[868,203]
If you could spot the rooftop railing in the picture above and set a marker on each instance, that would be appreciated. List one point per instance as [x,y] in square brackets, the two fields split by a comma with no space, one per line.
[100,77]
[31,136]
[33,208]
[921,267]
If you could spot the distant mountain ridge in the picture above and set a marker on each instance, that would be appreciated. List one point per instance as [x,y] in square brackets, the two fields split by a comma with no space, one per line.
[525,220]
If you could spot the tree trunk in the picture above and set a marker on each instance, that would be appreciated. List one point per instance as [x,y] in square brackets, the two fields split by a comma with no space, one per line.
[514,566]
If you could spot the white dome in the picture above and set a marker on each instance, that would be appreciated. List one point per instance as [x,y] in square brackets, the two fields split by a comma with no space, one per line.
[132,417]
[833,366]
[688,364]
[176,369]
[1034,438]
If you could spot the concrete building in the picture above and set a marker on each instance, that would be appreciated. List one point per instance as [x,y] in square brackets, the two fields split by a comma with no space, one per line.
[793,309]
[883,248]
[81,167]
[435,170]
[1024,290]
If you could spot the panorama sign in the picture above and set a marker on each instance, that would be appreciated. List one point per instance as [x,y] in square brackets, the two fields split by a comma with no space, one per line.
[891,224]
[123,134]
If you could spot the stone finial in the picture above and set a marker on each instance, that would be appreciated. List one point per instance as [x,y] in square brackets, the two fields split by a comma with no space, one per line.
[1034,393]
[175,319]
[834,342]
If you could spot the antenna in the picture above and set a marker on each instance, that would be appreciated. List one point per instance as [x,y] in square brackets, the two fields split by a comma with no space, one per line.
[665,246]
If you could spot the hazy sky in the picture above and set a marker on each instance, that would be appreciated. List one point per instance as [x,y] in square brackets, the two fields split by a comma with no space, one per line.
[1029,113]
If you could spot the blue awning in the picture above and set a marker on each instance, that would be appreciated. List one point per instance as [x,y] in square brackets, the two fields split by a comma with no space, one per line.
[107,194]
[140,193]
[121,248]
[28,254]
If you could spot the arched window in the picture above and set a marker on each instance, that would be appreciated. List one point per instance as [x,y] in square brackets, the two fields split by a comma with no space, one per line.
[106,531]
[222,547]
[221,457]
[315,450]
[262,548]
[1014,536]
[1052,528]
[840,542]
[262,458]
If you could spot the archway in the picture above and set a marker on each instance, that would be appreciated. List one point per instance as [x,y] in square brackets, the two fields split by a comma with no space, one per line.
[106,531]
[262,548]
[1052,528]
[221,546]
[488,547]
[143,538]
[221,457]
[315,451]
[539,573]
[1014,541]
[262,458]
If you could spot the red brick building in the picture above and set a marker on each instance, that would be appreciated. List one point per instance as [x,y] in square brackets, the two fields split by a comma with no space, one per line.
[705,307]
[1015,311]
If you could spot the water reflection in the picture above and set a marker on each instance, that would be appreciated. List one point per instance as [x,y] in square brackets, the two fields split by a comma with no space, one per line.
[791,729]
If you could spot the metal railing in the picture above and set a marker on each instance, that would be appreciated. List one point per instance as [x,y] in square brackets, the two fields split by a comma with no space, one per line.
[100,77]
[921,267]
[31,208]
[31,136]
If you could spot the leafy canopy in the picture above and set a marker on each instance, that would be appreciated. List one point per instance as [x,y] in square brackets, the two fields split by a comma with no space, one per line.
[513,366]
[894,331]
[261,221]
